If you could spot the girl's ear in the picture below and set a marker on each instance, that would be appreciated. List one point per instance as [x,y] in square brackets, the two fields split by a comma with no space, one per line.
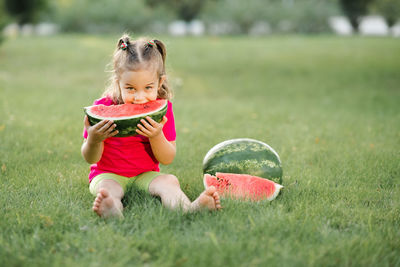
[161,81]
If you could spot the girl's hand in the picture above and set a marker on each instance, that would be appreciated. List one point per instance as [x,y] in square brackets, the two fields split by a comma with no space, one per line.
[100,131]
[151,128]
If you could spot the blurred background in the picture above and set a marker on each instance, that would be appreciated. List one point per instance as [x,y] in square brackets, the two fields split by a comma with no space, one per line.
[200,17]
[279,71]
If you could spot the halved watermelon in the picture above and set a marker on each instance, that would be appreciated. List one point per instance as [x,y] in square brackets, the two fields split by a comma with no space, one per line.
[127,116]
[242,186]
[244,156]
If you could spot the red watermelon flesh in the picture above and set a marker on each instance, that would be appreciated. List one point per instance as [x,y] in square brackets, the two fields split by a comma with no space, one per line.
[127,116]
[126,110]
[243,186]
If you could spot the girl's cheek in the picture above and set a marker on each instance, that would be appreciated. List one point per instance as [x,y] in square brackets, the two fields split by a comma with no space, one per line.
[128,98]
[154,95]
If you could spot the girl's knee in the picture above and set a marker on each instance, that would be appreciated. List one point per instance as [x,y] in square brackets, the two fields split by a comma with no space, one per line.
[164,184]
[169,179]
[163,181]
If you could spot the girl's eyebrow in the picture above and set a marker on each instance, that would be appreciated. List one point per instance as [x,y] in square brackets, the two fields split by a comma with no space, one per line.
[146,85]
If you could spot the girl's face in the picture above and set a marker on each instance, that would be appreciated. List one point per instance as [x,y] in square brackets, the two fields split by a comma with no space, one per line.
[139,87]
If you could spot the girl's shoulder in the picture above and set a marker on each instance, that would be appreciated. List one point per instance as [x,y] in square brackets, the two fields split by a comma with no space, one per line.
[169,108]
[104,101]
[170,105]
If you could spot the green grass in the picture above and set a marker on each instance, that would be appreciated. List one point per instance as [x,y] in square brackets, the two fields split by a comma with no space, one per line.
[328,105]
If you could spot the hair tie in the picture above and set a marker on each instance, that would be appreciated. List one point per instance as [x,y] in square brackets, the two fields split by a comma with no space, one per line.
[151,43]
[123,45]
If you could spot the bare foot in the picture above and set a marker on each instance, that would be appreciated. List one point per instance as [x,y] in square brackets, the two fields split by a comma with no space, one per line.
[106,206]
[209,199]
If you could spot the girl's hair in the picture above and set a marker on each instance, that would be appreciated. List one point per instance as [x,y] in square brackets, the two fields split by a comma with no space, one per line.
[134,55]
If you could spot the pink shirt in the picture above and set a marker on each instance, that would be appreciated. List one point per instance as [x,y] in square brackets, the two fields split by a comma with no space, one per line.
[132,155]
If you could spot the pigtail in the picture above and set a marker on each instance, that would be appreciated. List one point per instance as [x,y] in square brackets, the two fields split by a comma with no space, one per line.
[123,43]
[161,48]
[165,90]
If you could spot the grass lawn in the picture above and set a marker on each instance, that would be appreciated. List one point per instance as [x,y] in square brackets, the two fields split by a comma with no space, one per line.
[329,106]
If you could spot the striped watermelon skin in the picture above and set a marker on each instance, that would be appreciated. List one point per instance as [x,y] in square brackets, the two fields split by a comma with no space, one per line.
[127,126]
[244,156]
[243,186]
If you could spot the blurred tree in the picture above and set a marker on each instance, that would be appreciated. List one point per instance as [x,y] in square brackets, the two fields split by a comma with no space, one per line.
[354,10]
[25,11]
[186,10]
[107,16]
[241,15]
[389,9]
[311,16]
[3,19]
[305,16]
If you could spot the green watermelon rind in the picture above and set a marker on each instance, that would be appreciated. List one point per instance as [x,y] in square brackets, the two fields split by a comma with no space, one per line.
[127,126]
[256,158]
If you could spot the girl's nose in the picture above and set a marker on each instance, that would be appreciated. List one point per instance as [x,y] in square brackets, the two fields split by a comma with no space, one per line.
[139,97]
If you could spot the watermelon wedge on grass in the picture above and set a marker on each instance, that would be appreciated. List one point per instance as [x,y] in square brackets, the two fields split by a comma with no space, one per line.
[242,186]
[127,116]
[243,169]
[244,156]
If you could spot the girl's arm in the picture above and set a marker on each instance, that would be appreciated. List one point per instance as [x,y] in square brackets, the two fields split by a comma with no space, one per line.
[92,152]
[93,147]
[163,150]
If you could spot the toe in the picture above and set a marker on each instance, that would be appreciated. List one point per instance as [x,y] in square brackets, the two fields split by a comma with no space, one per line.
[103,192]
[99,197]
[96,203]
[211,190]
[216,195]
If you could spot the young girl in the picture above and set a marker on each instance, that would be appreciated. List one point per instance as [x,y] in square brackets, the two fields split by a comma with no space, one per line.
[138,77]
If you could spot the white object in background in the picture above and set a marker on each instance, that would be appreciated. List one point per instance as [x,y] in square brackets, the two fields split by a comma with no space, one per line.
[260,28]
[178,28]
[196,28]
[11,30]
[396,30]
[46,29]
[27,30]
[340,25]
[223,27]
[373,25]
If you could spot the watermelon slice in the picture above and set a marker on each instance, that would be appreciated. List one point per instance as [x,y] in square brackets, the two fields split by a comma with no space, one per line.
[244,156]
[127,116]
[242,186]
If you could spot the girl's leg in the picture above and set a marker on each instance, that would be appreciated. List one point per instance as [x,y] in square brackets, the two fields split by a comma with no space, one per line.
[108,200]
[168,189]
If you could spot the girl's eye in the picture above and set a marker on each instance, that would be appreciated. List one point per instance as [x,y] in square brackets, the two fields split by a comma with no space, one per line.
[130,88]
[148,88]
